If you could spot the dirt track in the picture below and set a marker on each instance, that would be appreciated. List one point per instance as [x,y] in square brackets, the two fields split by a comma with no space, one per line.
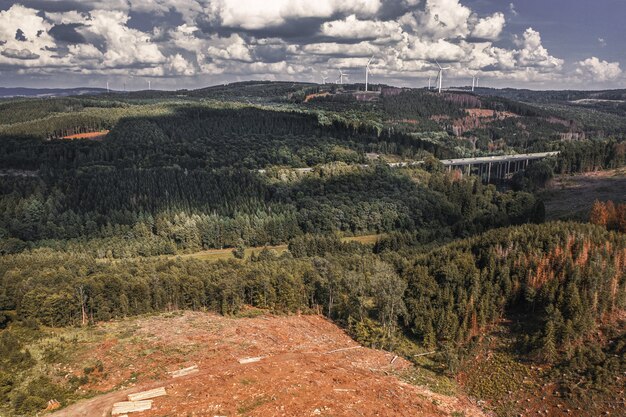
[301,373]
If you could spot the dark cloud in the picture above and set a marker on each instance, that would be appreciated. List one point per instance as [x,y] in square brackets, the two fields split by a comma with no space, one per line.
[19,36]
[19,53]
[270,53]
[145,22]
[393,9]
[302,30]
[48,5]
[67,33]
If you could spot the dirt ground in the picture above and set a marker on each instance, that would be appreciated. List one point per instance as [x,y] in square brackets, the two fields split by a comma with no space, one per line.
[571,196]
[89,135]
[308,367]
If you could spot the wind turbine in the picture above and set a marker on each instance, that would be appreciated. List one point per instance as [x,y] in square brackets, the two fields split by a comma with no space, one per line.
[474,82]
[107,87]
[440,76]
[341,75]
[149,86]
[367,72]
[429,78]
[324,79]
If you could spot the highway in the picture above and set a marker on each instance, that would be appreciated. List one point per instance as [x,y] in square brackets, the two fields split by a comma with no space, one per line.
[497,159]
[459,162]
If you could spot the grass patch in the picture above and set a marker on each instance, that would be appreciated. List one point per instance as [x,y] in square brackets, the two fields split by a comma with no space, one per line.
[253,403]
[434,381]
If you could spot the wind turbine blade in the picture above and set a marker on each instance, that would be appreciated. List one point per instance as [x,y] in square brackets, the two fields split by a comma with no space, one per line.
[436,62]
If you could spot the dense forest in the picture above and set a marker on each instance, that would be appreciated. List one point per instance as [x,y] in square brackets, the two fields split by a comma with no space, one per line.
[92,229]
[557,283]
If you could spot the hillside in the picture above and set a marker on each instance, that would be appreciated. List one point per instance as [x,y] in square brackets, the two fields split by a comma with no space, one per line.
[147,231]
[307,366]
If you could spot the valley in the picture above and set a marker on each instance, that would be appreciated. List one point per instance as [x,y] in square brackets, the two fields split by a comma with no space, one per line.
[270,240]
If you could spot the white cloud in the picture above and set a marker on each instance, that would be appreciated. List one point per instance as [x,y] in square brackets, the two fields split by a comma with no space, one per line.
[231,48]
[360,49]
[178,65]
[444,19]
[490,27]
[239,38]
[35,46]
[255,14]
[353,28]
[595,70]
[533,54]
[124,46]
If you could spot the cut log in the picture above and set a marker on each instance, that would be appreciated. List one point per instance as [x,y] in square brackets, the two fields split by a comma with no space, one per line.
[126,407]
[146,395]
[425,354]
[344,349]
[184,371]
[250,360]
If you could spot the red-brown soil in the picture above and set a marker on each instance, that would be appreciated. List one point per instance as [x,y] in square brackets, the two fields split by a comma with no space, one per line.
[89,135]
[302,372]
[316,95]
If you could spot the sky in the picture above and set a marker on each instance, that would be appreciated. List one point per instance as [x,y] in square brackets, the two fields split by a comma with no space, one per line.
[176,44]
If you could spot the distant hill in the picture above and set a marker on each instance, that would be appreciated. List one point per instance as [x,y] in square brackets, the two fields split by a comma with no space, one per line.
[533,96]
[48,92]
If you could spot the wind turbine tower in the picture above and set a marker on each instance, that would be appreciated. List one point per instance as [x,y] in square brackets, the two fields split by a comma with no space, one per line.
[474,82]
[107,87]
[341,75]
[367,72]
[440,76]
[429,79]
[149,86]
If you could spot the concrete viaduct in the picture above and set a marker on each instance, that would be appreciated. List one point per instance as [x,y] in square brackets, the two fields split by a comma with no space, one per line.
[498,167]
[495,167]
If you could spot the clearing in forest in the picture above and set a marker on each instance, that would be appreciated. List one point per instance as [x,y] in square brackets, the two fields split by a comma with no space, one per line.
[303,366]
[570,197]
[88,135]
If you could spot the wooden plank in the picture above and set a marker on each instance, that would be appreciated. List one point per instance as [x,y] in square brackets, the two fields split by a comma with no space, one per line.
[146,395]
[126,407]
[426,353]
[250,360]
[184,371]
[344,349]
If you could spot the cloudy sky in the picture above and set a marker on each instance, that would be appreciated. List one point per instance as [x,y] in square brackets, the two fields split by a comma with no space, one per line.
[194,43]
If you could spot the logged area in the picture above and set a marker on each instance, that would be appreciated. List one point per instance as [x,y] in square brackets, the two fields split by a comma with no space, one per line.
[262,366]
[571,196]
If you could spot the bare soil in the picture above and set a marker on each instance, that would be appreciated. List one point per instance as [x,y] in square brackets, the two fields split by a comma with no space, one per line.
[89,135]
[571,196]
[309,367]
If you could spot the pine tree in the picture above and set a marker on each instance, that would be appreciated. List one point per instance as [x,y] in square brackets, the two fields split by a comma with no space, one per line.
[548,348]
[599,214]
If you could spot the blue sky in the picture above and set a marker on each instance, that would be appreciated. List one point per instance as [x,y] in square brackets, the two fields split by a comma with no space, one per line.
[537,44]
[570,27]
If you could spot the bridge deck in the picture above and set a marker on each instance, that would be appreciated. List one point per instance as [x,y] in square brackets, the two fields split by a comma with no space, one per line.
[497,159]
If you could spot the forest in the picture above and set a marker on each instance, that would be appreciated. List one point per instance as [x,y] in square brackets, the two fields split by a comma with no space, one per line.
[93,230]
